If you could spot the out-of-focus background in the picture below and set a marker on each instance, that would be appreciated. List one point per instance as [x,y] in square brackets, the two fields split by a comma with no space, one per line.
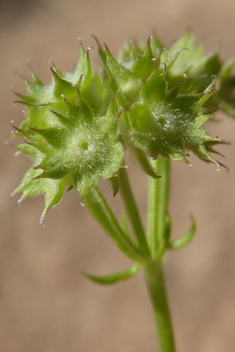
[46,305]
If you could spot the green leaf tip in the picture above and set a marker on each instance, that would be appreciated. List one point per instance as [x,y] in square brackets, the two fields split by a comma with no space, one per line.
[114,278]
[185,239]
[152,101]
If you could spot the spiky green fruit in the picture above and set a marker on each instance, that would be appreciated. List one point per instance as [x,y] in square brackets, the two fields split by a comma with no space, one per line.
[152,101]
[69,138]
[164,97]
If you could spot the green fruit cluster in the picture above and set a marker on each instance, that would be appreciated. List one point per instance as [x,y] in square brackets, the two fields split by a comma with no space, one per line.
[152,101]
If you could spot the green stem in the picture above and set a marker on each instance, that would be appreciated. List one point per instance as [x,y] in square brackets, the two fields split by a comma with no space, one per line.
[101,211]
[132,211]
[148,253]
[158,238]
[158,205]
[157,291]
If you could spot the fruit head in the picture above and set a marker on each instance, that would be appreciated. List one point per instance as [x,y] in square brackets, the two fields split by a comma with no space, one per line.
[70,140]
[153,101]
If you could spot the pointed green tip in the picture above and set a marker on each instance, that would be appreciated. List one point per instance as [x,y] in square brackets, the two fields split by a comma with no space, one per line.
[113,278]
[185,239]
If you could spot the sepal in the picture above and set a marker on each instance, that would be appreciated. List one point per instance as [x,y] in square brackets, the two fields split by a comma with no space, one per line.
[52,189]
[114,180]
[144,162]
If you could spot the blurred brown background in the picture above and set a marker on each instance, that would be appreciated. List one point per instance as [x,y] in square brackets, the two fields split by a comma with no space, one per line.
[46,305]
